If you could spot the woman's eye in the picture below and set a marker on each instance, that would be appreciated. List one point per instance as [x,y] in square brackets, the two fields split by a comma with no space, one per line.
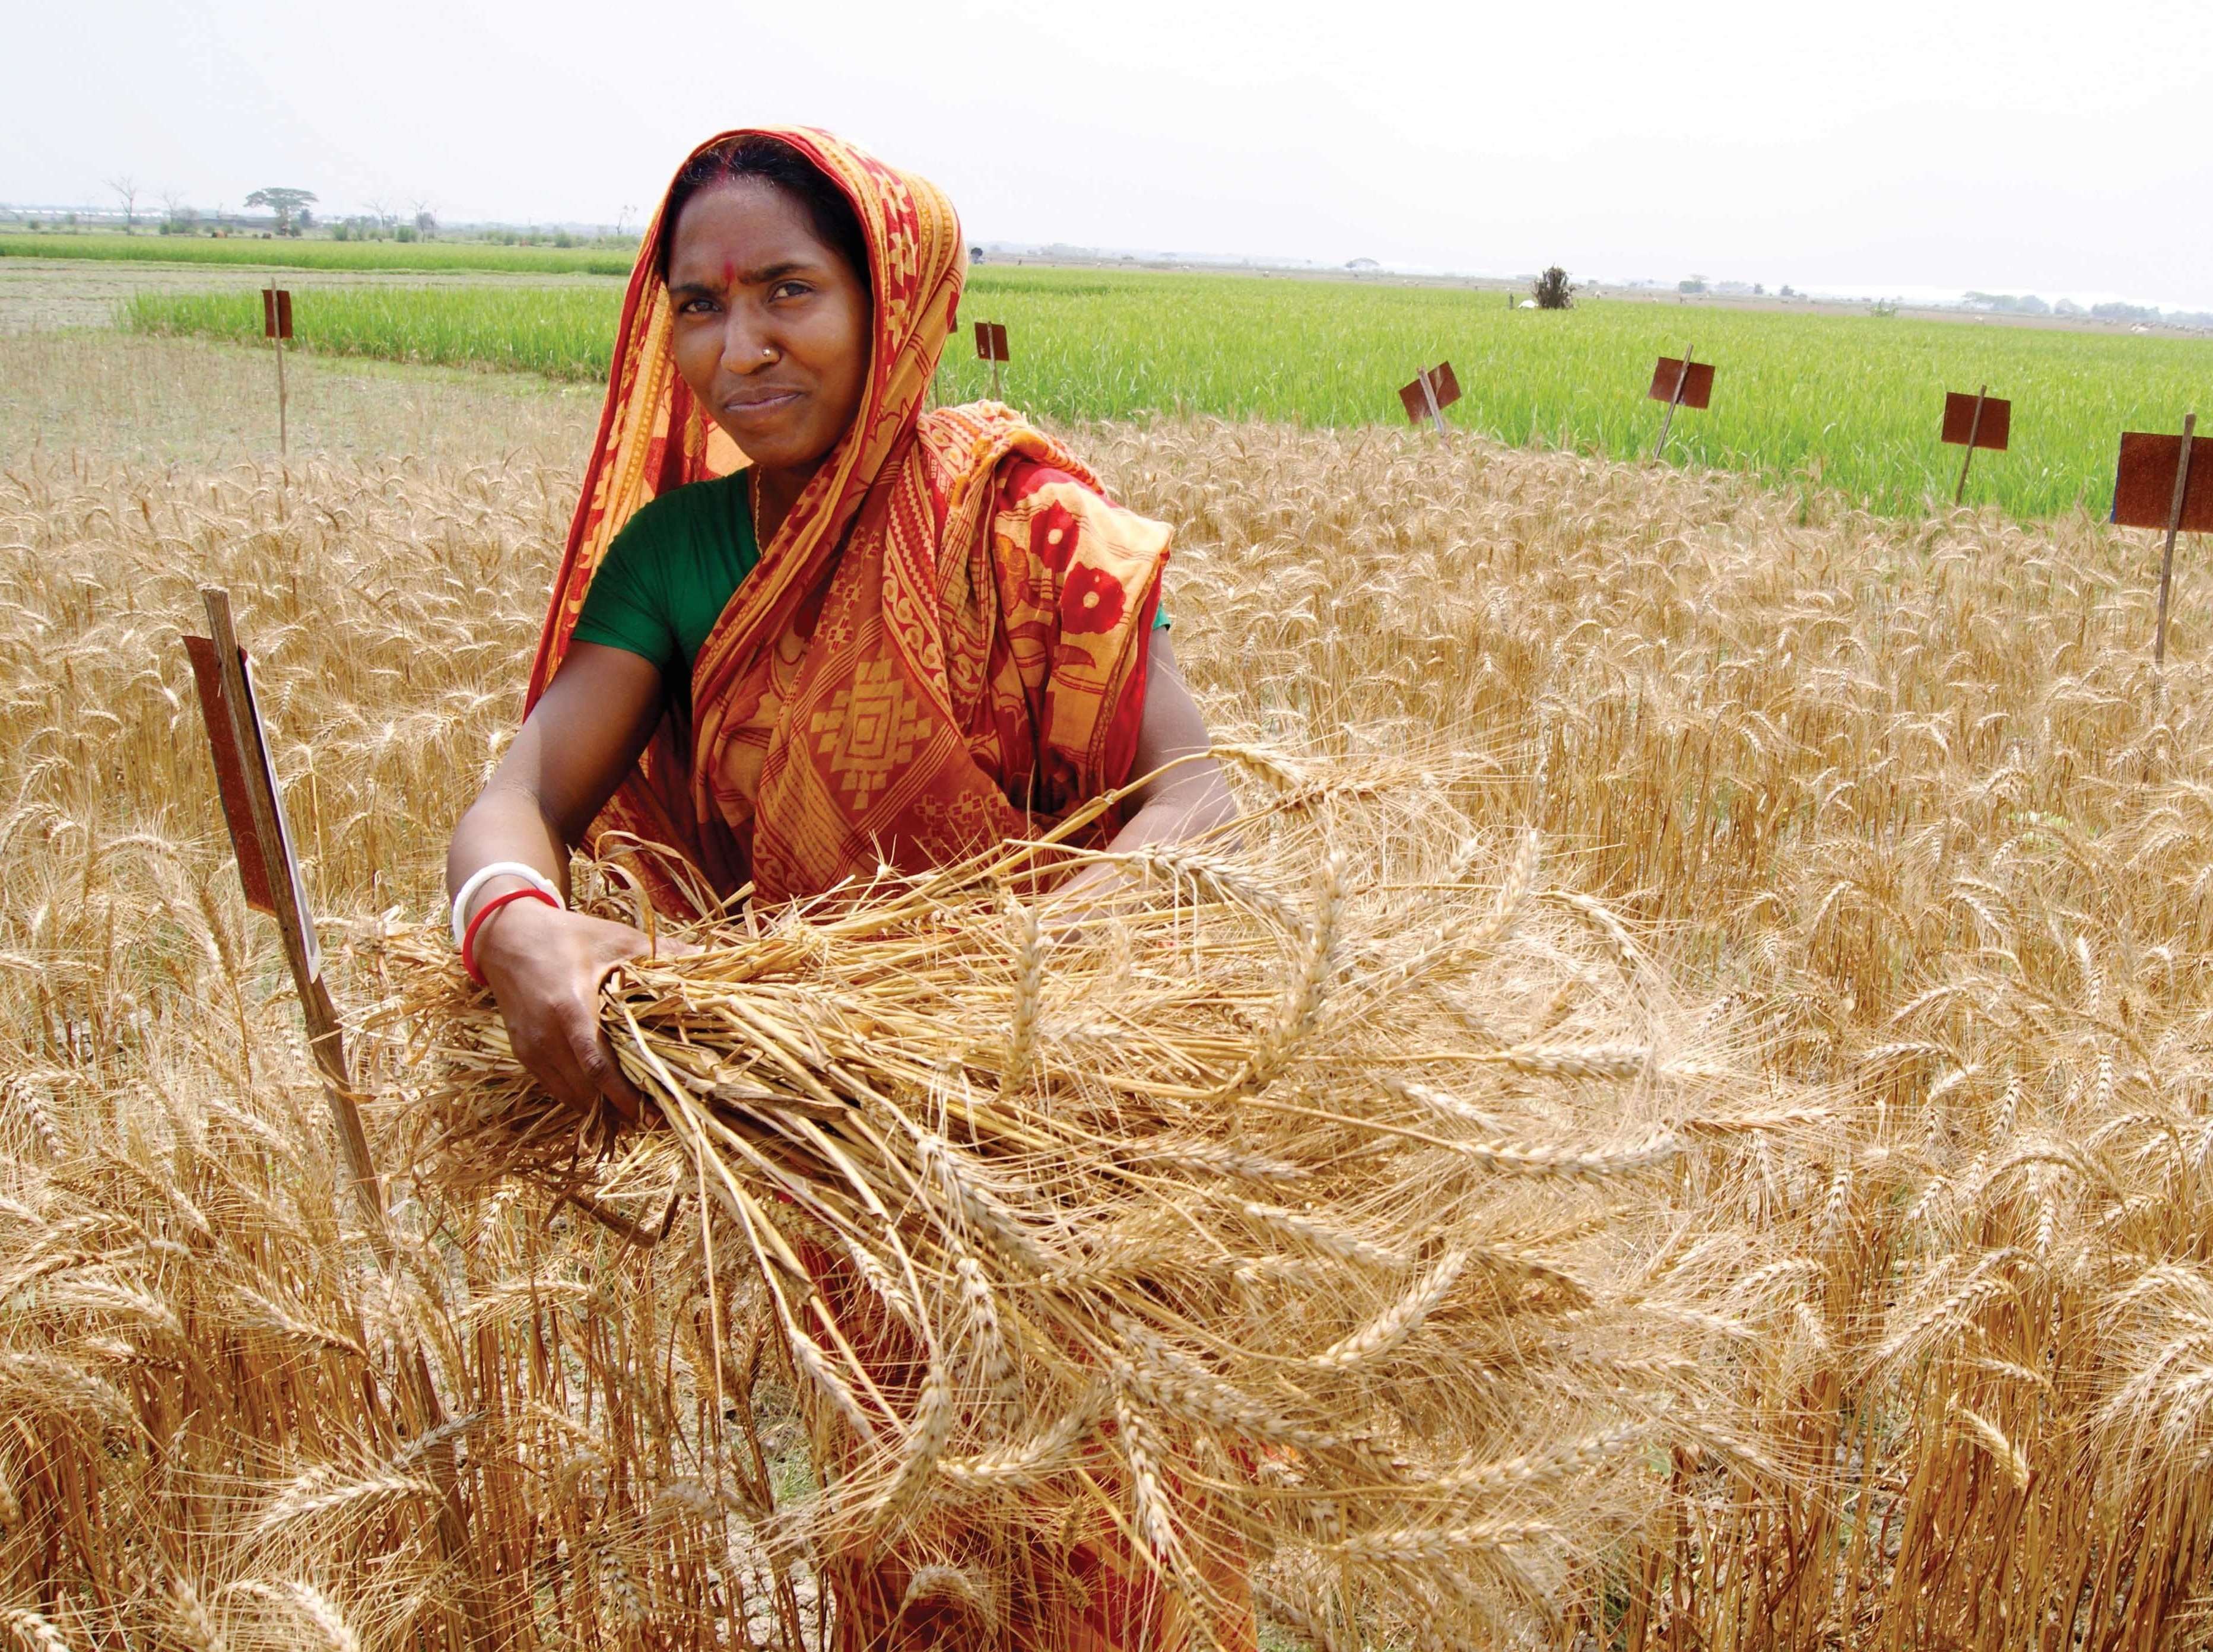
[788,289]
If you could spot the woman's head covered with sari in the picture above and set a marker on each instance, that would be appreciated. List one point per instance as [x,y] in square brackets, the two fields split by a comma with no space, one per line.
[944,641]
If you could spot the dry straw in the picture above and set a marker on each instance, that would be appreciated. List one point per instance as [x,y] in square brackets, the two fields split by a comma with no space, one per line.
[1035,1155]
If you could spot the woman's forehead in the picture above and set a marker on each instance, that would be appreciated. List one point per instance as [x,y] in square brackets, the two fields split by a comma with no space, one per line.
[741,225]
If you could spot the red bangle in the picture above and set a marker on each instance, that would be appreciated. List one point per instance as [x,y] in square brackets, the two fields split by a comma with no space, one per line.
[476,923]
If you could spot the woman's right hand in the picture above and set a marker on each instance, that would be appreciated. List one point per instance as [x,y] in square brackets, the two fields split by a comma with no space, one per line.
[546,967]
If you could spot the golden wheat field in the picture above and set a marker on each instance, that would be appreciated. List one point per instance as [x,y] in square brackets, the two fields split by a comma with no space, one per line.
[1865,862]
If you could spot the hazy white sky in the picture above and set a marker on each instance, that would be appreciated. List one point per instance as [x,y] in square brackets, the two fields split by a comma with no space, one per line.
[1878,145]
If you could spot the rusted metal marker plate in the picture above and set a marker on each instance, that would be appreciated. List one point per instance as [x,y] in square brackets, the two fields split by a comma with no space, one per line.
[1698,389]
[991,342]
[275,313]
[2143,483]
[1444,385]
[1995,427]
[230,777]
[258,864]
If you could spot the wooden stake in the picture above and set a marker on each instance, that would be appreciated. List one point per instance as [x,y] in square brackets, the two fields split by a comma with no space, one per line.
[276,343]
[1974,430]
[326,1042]
[2174,527]
[1668,418]
[1430,397]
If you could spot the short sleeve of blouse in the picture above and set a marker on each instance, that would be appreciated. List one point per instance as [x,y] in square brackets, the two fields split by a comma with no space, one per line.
[626,606]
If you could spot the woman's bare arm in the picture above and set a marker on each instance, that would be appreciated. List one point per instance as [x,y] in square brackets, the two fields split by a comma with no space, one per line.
[580,740]
[1191,799]
[544,967]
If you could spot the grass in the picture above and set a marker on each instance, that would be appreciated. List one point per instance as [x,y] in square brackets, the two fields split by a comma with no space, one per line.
[1900,802]
[565,333]
[305,254]
[1849,403]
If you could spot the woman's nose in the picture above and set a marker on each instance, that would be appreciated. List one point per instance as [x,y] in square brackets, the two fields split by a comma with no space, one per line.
[745,349]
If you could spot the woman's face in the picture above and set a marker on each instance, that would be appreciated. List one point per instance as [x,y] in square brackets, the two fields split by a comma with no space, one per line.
[772,326]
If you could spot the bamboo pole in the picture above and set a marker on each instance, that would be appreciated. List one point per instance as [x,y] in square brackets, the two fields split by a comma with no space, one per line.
[1974,430]
[2174,527]
[1668,418]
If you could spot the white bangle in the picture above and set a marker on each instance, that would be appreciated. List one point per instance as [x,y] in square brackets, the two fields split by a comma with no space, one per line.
[530,874]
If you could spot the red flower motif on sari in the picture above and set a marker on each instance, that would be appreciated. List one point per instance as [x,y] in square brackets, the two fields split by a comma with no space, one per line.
[1052,536]
[1091,599]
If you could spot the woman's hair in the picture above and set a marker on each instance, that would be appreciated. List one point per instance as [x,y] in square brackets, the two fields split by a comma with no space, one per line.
[781,167]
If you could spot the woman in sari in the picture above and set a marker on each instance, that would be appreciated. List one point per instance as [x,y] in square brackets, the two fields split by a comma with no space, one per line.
[805,628]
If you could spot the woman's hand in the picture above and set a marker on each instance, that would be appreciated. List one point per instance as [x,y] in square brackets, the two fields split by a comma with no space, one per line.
[545,968]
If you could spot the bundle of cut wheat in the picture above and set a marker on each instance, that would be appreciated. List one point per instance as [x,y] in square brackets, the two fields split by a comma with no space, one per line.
[1300,1204]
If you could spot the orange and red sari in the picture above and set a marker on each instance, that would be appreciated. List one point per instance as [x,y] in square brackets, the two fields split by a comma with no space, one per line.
[944,645]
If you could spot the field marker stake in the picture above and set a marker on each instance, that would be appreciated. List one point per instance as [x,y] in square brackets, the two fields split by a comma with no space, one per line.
[1668,418]
[2173,527]
[253,809]
[277,328]
[991,346]
[1974,430]
[1436,413]
[1433,390]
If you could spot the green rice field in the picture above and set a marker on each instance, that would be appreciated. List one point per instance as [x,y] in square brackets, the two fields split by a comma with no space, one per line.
[1847,402]
[565,331]
[304,255]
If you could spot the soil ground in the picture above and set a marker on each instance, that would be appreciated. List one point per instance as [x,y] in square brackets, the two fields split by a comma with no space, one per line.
[197,403]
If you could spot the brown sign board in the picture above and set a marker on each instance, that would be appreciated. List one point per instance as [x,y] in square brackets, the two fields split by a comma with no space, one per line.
[2143,483]
[275,313]
[1698,384]
[230,775]
[1991,430]
[991,342]
[259,863]
[1444,387]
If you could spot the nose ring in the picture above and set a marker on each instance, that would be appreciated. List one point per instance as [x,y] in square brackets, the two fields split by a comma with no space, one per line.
[767,354]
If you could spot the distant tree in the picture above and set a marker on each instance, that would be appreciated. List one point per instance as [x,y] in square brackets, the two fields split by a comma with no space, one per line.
[2117,311]
[426,220]
[1553,290]
[283,203]
[127,190]
[975,255]
[177,218]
